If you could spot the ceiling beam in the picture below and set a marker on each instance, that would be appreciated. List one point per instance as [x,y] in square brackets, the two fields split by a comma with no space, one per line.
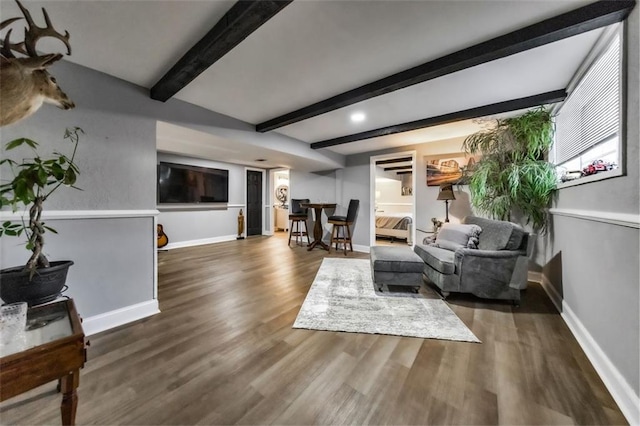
[393,160]
[578,21]
[467,114]
[238,23]
[386,169]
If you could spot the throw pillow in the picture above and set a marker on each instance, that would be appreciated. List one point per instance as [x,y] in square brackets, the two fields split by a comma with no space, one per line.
[453,236]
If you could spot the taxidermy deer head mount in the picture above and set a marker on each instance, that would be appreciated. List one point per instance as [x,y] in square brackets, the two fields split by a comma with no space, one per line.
[24,81]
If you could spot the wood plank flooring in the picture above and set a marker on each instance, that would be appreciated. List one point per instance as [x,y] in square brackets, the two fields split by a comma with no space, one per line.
[223,352]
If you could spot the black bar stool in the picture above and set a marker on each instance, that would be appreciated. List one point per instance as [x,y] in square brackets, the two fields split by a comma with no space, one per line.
[340,223]
[297,216]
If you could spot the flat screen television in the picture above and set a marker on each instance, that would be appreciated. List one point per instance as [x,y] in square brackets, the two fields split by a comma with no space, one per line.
[179,183]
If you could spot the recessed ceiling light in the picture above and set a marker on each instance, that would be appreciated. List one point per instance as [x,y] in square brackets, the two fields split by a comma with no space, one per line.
[357,117]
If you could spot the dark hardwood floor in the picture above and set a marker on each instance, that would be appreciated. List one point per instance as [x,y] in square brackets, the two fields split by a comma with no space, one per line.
[223,352]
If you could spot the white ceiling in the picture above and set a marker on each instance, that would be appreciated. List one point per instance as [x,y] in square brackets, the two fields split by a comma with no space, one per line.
[312,50]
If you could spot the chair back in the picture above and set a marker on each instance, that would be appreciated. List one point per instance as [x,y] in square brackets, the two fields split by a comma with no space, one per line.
[499,234]
[352,213]
[295,206]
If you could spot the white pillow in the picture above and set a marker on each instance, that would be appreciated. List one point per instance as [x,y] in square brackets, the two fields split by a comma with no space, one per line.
[453,236]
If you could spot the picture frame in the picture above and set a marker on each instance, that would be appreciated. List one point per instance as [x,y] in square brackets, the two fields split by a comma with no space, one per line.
[456,168]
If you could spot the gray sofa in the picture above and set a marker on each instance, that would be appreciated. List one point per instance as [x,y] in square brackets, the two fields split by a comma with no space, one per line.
[485,271]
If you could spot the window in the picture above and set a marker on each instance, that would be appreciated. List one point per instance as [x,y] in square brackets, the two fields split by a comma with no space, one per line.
[587,140]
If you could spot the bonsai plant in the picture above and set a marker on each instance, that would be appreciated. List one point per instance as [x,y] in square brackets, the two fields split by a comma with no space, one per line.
[34,180]
[512,175]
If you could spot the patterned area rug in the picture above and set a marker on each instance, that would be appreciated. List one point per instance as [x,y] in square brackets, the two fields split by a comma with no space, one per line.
[343,298]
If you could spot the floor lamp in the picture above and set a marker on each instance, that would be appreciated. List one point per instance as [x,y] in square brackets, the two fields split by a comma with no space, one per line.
[446,194]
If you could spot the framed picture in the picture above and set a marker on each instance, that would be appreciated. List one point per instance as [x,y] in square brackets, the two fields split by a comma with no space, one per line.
[454,168]
[282,193]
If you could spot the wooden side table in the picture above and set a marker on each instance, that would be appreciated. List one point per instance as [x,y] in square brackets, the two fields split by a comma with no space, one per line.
[52,348]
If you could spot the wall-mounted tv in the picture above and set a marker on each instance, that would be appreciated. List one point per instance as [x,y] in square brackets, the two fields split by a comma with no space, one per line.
[179,183]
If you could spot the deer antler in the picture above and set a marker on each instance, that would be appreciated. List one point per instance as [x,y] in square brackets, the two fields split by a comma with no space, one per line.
[31,35]
[7,47]
[35,33]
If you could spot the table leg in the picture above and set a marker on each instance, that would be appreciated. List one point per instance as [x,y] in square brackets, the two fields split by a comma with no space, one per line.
[69,404]
[317,231]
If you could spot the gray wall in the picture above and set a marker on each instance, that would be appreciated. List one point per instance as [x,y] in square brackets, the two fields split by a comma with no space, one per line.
[204,223]
[117,156]
[594,266]
[317,187]
[356,184]
[113,257]
[113,266]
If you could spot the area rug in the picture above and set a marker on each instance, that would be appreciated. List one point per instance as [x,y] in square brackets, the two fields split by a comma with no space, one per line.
[343,298]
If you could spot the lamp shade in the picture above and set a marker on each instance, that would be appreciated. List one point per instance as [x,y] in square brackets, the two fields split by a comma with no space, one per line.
[446,192]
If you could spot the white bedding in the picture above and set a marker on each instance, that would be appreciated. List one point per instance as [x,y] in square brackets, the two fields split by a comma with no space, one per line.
[394,220]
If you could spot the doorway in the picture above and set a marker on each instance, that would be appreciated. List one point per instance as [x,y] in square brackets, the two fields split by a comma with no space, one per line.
[393,199]
[254,203]
[280,205]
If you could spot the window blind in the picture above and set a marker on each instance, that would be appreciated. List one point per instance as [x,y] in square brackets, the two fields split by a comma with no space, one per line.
[591,113]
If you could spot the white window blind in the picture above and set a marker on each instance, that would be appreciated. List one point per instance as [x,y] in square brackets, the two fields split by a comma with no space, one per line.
[591,113]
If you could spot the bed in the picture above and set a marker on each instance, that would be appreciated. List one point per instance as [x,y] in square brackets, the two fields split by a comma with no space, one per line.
[397,225]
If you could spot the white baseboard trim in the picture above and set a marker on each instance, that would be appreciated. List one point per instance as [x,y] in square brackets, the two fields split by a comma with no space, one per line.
[619,388]
[168,208]
[551,291]
[361,249]
[112,319]
[535,277]
[200,242]
[620,219]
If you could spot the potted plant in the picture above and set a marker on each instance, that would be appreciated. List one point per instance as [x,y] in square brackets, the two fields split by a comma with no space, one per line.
[34,180]
[512,174]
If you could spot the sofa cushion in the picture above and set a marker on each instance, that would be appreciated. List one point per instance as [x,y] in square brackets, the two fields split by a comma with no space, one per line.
[497,234]
[395,259]
[438,258]
[454,236]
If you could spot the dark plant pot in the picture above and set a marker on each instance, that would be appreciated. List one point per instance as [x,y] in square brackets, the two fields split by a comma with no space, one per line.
[45,286]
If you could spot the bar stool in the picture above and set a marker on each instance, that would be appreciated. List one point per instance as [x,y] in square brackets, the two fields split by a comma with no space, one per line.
[340,223]
[297,216]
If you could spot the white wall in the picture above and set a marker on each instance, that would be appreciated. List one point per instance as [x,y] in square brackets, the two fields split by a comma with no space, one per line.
[391,199]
